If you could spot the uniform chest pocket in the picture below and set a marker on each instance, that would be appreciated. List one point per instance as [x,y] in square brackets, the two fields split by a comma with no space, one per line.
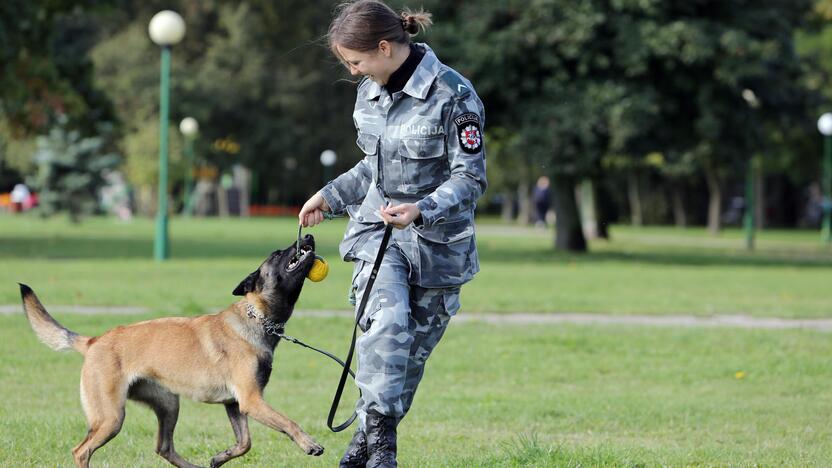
[367,142]
[424,164]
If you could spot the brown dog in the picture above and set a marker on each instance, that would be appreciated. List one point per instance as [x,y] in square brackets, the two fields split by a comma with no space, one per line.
[222,358]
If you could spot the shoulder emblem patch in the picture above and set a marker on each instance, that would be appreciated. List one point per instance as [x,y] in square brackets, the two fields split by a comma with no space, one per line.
[468,132]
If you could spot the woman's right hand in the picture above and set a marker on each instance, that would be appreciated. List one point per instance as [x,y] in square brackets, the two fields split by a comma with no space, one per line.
[312,212]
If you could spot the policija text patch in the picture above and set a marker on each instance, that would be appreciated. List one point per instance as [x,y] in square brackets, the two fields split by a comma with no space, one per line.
[468,132]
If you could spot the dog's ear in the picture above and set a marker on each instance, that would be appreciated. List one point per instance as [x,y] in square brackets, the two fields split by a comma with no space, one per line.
[247,285]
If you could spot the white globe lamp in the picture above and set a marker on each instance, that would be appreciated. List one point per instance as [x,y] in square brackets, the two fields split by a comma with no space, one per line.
[166,28]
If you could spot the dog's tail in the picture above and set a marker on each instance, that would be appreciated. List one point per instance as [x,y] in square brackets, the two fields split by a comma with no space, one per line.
[49,331]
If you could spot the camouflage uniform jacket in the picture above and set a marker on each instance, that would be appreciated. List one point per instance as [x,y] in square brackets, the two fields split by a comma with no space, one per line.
[422,145]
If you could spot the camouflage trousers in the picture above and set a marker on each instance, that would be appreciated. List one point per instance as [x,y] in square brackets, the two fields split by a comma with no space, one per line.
[402,324]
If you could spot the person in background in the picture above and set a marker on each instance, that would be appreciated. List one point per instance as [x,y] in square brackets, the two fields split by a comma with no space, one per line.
[21,198]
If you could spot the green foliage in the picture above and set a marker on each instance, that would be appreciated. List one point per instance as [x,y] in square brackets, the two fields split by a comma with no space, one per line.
[70,171]
[506,161]
[253,73]
[141,164]
[16,153]
[127,70]
[631,77]
[46,73]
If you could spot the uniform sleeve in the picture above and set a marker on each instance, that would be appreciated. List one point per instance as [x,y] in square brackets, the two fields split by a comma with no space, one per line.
[466,156]
[349,188]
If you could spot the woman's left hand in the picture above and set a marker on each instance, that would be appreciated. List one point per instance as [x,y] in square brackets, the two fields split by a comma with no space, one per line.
[400,216]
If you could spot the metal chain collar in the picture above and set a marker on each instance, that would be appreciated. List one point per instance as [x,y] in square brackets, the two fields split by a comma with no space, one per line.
[269,326]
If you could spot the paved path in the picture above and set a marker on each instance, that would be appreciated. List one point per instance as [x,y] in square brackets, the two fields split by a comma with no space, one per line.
[729,321]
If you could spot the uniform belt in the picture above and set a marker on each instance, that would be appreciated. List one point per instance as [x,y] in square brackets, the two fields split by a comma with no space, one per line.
[399,201]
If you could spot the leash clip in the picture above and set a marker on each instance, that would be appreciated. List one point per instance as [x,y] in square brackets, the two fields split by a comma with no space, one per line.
[272,328]
[288,338]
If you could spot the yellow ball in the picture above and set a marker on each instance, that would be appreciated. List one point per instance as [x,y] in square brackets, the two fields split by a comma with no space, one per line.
[319,270]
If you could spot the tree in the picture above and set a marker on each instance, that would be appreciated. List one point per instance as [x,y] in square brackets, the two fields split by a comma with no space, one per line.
[45,72]
[70,171]
[708,53]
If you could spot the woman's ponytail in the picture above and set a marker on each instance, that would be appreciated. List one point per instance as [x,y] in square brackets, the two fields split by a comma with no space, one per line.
[415,21]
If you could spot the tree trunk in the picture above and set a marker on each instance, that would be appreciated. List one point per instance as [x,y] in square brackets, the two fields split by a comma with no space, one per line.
[714,200]
[635,199]
[525,215]
[586,208]
[568,233]
[222,201]
[242,179]
[507,210]
[602,216]
[525,206]
[680,217]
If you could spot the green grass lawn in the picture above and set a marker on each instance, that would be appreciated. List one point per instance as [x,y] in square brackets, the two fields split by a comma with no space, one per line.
[492,396]
[654,271]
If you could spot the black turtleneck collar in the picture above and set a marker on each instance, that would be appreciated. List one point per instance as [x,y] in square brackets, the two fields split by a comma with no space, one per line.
[399,77]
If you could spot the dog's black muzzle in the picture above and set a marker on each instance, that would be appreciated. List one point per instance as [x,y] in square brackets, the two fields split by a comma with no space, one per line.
[303,253]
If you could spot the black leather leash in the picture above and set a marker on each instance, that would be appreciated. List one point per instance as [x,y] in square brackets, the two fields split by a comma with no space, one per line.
[299,342]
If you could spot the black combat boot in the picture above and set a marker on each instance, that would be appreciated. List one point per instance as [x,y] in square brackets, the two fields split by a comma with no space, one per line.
[381,441]
[356,454]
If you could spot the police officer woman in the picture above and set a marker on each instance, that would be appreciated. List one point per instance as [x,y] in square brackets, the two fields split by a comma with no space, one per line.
[419,125]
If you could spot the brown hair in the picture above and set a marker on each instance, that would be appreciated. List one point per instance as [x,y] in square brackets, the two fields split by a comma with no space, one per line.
[362,24]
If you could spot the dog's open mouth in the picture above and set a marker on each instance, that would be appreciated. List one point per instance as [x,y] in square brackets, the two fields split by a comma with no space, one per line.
[305,252]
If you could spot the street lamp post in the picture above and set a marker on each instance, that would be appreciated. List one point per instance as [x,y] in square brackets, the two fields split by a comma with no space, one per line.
[825,127]
[189,128]
[328,158]
[748,217]
[166,29]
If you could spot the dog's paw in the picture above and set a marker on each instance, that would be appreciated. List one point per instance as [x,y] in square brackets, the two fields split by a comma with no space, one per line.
[314,449]
[308,445]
